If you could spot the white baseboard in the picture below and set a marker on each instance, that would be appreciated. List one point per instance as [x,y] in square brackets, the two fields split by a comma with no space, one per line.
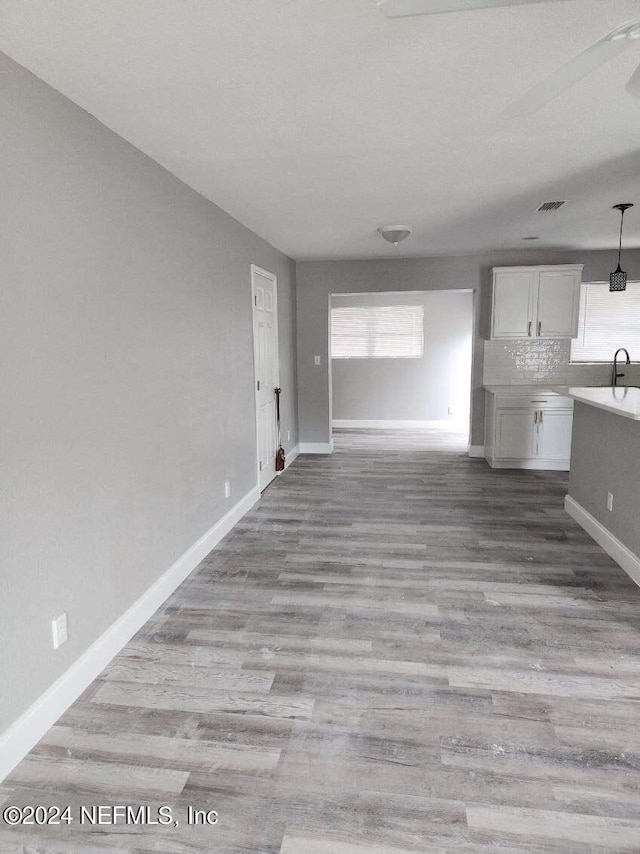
[24,733]
[532,465]
[616,549]
[316,447]
[389,424]
[476,451]
[290,456]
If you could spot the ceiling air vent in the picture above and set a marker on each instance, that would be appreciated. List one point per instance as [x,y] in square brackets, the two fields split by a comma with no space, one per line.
[550,206]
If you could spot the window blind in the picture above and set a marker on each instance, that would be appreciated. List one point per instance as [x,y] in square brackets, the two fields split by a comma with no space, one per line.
[607,321]
[377,332]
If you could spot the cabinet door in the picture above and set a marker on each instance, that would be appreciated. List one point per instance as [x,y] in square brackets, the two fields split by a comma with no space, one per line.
[553,434]
[558,303]
[514,298]
[514,434]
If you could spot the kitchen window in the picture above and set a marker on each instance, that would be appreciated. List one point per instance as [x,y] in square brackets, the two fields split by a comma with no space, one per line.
[607,321]
[377,332]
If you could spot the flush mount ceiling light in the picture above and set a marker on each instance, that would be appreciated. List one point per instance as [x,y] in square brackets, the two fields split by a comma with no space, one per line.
[396,233]
[618,279]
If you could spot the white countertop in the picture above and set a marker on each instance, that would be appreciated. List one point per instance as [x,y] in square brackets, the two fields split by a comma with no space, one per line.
[519,388]
[623,400]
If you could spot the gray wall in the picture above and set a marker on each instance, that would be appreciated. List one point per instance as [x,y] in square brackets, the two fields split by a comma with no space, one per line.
[317,279]
[126,371]
[411,389]
[605,457]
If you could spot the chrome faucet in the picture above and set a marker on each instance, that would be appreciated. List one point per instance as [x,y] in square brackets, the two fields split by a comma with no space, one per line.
[615,374]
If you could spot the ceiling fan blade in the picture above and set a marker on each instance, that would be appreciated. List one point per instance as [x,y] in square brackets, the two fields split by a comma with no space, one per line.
[633,86]
[580,66]
[404,8]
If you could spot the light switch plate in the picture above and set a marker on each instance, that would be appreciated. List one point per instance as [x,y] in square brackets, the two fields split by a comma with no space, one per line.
[317,360]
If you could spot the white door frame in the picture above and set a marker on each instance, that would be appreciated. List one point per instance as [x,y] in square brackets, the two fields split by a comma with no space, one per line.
[404,291]
[262,272]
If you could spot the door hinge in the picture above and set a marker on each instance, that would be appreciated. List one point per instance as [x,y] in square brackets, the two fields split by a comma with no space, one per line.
[255,299]
[258,384]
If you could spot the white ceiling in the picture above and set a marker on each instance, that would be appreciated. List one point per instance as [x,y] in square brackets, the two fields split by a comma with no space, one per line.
[313,122]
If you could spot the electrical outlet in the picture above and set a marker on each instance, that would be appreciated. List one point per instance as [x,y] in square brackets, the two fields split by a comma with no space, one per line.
[317,360]
[59,630]
[450,410]
[610,501]
[227,489]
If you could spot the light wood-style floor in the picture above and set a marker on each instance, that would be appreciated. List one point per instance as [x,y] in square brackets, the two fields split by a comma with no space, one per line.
[398,650]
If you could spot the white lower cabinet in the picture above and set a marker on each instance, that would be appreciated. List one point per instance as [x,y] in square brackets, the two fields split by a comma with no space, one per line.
[528,431]
[514,434]
[553,436]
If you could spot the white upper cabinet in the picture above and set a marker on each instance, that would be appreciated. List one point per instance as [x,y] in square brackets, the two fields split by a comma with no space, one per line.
[513,299]
[536,302]
[558,302]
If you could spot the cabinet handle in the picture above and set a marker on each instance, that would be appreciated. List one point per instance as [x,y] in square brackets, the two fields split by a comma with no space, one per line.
[541,417]
[529,330]
[539,327]
[535,417]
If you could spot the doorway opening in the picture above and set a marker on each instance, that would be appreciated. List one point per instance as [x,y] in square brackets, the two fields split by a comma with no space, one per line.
[402,361]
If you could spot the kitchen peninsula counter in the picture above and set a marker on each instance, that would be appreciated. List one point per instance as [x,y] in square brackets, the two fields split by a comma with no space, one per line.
[604,479]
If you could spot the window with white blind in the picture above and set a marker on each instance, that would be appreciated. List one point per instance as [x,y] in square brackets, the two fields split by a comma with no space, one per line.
[608,320]
[377,332]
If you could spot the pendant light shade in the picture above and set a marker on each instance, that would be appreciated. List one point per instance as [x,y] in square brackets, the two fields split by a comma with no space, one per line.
[618,279]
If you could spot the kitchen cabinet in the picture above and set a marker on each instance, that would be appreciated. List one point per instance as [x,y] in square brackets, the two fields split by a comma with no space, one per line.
[553,434]
[514,434]
[536,302]
[528,430]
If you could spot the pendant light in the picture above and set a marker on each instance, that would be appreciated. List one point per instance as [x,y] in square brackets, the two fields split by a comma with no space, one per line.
[618,279]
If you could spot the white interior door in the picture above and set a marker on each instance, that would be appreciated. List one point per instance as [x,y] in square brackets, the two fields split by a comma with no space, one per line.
[265,353]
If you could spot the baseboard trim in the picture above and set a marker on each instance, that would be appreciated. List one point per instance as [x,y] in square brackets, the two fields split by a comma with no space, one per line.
[316,447]
[530,465]
[290,456]
[25,733]
[391,424]
[616,549]
[476,451]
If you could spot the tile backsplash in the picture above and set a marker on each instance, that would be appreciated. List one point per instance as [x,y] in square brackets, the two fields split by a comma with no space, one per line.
[544,361]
